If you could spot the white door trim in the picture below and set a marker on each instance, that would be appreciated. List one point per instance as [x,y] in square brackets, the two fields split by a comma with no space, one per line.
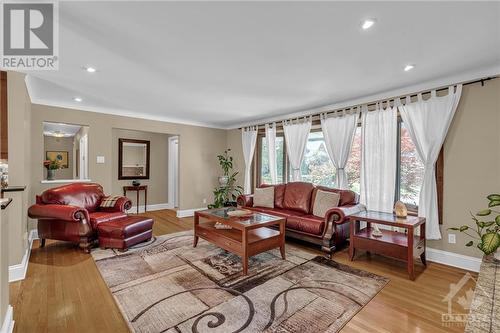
[173,171]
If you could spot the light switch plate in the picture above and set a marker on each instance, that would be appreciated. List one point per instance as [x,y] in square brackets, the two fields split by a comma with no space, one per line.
[100,160]
[452,239]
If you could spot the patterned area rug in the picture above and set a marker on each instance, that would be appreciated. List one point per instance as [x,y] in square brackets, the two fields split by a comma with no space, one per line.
[166,285]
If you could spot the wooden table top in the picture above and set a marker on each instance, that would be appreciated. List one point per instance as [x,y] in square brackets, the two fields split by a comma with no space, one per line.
[135,188]
[251,221]
[388,219]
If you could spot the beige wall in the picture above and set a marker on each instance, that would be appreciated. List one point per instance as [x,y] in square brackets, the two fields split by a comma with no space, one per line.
[60,144]
[19,113]
[4,265]
[158,180]
[471,161]
[198,147]
[233,138]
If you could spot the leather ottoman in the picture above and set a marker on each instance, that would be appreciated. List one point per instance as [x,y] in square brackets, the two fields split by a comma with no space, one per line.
[124,232]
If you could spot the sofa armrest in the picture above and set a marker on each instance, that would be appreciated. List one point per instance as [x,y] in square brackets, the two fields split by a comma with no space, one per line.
[58,212]
[122,204]
[245,200]
[339,214]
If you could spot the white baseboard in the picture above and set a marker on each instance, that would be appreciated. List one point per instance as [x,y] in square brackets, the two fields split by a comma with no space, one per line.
[18,272]
[150,208]
[188,212]
[8,322]
[453,259]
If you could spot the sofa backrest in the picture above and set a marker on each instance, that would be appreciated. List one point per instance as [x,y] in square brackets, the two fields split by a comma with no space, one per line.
[300,196]
[85,195]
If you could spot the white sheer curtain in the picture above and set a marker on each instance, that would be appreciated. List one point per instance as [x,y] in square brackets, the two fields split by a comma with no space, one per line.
[427,123]
[378,158]
[271,148]
[248,141]
[339,132]
[296,133]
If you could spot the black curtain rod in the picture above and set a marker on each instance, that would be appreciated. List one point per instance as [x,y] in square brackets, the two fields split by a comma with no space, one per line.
[391,99]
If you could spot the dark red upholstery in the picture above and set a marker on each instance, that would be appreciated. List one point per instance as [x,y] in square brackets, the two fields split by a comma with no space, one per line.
[298,196]
[125,232]
[295,202]
[71,212]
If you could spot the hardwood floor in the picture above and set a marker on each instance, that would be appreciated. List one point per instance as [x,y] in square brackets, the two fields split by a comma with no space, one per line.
[63,291]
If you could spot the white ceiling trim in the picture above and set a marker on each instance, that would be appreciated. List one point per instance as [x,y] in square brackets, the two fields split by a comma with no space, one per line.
[428,85]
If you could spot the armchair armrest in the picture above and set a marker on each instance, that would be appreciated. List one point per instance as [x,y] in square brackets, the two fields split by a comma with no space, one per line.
[122,204]
[245,200]
[58,212]
[338,214]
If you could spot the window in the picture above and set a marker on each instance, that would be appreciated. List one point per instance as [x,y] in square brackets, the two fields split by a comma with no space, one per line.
[353,167]
[317,168]
[411,170]
[264,173]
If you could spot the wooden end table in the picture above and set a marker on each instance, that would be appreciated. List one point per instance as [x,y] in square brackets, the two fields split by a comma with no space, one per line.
[138,189]
[404,246]
[249,235]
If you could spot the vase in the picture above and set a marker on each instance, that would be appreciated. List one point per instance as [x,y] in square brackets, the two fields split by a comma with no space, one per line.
[223,180]
[51,174]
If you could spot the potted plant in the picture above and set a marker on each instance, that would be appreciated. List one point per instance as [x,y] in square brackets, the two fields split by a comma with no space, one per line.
[226,163]
[52,166]
[227,192]
[486,232]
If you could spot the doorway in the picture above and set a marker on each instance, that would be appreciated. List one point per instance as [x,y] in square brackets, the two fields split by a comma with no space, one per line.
[173,171]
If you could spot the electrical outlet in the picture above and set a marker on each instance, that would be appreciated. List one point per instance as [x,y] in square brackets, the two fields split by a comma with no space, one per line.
[204,200]
[452,239]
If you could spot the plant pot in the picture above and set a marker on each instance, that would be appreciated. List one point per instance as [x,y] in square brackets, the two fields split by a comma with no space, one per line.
[51,174]
[223,180]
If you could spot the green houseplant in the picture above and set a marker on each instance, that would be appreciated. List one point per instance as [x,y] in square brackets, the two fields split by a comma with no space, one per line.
[227,192]
[486,232]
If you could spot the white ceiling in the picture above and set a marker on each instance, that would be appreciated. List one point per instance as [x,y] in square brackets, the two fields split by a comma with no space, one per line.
[222,64]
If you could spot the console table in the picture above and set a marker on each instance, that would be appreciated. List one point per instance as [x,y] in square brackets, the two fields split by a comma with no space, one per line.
[404,246]
[138,189]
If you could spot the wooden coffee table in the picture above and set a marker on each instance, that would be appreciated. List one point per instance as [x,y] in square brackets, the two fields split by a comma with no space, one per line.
[249,235]
[400,245]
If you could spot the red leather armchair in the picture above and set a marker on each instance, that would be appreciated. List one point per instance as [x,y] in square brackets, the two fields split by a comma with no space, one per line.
[72,213]
[295,201]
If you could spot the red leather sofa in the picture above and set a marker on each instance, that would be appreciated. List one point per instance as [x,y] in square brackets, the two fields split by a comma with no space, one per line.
[294,201]
[72,213]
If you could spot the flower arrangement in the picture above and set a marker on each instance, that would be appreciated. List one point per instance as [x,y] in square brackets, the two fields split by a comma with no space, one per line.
[52,164]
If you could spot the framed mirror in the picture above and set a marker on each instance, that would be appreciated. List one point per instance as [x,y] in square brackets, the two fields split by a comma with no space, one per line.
[133,159]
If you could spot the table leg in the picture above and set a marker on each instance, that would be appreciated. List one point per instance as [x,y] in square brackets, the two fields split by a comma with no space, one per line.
[410,263]
[244,257]
[137,203]
[282,241]
[351,239]
[196,222]
[145,200]
[422,236]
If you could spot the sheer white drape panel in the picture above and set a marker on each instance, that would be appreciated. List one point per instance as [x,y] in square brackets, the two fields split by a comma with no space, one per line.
[248,141]
[271,147]
[339,132]
[378,158]
[427,123]
[296,133]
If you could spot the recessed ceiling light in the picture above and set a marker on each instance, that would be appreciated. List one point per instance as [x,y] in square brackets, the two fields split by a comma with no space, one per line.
[368,23]
[77,99]
[409,67]
[90,69]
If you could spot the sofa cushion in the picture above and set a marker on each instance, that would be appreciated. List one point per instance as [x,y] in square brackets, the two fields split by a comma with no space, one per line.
[308,224]
[264,197]
[279,193]
[347,197]
[298,196]
[323,201]
[99,217]
[275,212]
